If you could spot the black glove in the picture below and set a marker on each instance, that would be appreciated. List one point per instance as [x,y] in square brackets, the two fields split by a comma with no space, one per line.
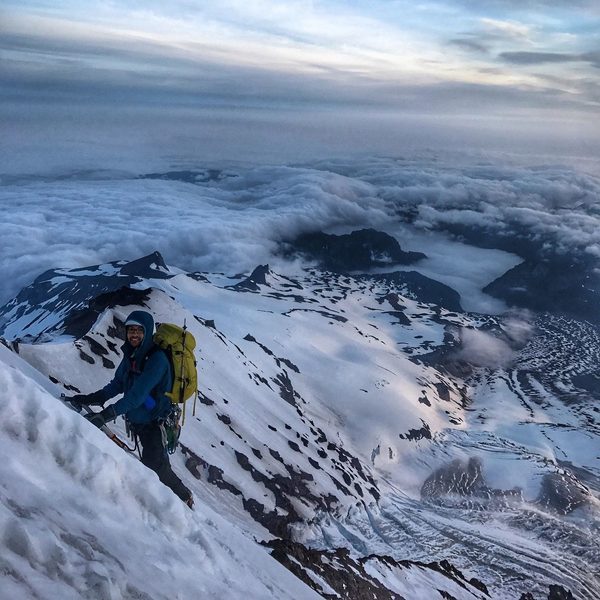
[100,419]
[94,399]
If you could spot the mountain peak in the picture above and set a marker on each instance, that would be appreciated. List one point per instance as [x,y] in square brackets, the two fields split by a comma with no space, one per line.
[68,301]
[360,250]
[257,278]
[152,265]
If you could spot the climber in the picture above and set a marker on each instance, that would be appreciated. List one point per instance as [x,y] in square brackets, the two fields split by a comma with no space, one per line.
[143,377]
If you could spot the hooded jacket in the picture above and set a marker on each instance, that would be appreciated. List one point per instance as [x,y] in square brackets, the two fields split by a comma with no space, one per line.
[142,381]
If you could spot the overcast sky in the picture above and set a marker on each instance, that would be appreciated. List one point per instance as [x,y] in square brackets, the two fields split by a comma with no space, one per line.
[111,83]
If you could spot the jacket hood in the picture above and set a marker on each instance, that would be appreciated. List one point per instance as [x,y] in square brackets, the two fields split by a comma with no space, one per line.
[146,320]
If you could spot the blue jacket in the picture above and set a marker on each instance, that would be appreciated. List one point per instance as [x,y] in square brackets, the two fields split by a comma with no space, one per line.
[144,397]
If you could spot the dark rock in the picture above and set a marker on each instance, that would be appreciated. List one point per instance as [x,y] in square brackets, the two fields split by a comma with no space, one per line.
[14,346]
[558,592]
[324,313]
[116,331]
[193,462]
[417,434]
[349,577]
[286,389]
[252,283]
[278,360]
[443,391]
[555,592]
[557,284]
[464,479]
[455,478]
[215,475]
[151,266]
[285,489]
[123,296]
[562,492]
[314,463]
[198,276]
[423,400]
[86,357]
[294,446]
[97,348]
[449,570]
[107,363]
[80,322]
[394,301]
[345,575]
[420,288]
[276,455]
[202,176]
[342,488]
[402,318]
[205,399]
[358,251]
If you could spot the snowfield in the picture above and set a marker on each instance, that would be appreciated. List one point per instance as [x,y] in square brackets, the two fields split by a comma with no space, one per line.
[81,519]
[353,438]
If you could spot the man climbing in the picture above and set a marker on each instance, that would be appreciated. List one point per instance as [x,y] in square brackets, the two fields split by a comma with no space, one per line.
[143,377]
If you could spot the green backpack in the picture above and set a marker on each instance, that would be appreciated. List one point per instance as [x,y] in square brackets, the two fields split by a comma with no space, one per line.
[178,344]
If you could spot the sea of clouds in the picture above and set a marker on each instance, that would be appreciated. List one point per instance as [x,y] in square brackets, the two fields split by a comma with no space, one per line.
[237,220]
[554,204]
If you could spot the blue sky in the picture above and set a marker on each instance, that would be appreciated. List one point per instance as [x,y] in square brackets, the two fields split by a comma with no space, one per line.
[497,67]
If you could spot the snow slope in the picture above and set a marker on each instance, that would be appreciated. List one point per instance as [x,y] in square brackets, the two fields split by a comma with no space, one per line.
[373,439]
[80,519]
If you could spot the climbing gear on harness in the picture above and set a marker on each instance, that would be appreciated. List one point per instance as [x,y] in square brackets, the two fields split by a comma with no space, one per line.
[170,429]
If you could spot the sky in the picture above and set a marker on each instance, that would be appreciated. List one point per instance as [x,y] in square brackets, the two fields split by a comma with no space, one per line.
[134,84]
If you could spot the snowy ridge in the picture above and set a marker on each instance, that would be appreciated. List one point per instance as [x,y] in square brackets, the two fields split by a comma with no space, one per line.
[348,421]
[58,300]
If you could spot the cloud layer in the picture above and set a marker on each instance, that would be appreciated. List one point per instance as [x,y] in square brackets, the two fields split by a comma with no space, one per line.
[550,205]
[236,221]
[232,225]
